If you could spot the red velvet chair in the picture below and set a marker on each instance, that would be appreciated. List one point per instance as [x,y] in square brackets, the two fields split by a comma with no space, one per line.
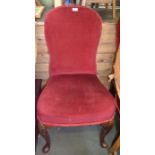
[73,95]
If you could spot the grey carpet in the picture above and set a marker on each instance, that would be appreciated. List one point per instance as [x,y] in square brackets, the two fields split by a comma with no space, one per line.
[76,141]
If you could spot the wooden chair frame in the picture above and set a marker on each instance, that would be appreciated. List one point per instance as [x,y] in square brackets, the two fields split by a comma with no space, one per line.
[43,131]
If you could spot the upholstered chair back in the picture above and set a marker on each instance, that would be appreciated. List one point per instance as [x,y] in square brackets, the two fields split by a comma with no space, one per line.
[72,36]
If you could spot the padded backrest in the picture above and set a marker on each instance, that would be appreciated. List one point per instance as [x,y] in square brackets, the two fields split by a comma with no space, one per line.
[72,36]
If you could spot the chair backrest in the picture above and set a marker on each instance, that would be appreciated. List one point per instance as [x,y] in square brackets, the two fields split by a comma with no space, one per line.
[72,35]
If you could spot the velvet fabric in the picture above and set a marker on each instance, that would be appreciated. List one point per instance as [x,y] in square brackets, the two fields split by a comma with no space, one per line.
[78,99]
[73,95]
[72,39]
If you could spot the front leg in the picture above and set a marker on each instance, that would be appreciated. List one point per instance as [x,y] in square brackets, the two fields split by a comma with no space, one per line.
[44,133]
[105,130]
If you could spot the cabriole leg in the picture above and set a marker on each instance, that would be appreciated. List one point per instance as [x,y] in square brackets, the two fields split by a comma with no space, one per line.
[44,133]
[105,130]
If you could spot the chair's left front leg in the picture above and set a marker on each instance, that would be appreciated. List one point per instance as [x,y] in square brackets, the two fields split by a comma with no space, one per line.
[105,130]
[44,133]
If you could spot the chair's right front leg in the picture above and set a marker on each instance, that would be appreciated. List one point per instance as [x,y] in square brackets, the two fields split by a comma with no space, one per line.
[44,133]
[105,130]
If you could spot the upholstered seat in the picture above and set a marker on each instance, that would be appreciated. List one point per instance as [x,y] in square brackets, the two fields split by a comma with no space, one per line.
[70,100]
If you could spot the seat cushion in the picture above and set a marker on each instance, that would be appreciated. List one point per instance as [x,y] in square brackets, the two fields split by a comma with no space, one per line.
[75,100]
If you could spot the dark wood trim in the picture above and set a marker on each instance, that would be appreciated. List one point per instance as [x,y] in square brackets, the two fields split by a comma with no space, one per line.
[37,93]
[44,133]
[104,131]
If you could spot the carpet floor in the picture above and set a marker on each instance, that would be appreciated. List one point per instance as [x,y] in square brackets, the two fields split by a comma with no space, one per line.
[76,141]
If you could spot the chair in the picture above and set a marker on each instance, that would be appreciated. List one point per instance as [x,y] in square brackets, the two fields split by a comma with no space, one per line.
[73,95]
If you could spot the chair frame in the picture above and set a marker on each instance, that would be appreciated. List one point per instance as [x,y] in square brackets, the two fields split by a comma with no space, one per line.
[43,131]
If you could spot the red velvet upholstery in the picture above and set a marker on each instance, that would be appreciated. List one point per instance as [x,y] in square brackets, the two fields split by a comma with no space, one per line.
[72,39]
[75,99]
[73,95]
